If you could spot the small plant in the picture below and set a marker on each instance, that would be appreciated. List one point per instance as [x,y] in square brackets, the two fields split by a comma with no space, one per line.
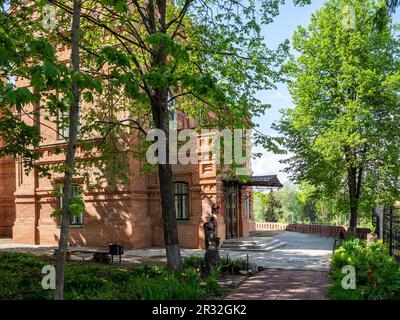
[228,265]
[193,262]
[372,228]
[225,264]
[211,283]
[149,270]
[190,275]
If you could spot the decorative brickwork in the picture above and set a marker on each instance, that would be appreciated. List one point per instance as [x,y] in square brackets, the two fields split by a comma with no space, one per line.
[130,216]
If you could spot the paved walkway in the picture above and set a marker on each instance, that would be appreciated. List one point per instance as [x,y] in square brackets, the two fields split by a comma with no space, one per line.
[298,271]
[274,284]
[302,252]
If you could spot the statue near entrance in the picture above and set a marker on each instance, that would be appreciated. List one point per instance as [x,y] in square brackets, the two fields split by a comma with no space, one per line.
[212,243]
[209,229]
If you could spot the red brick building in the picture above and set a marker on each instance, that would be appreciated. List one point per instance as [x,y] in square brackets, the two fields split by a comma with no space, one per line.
[130,215]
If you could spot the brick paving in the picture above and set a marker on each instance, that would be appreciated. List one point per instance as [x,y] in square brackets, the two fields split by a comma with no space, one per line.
[279,284]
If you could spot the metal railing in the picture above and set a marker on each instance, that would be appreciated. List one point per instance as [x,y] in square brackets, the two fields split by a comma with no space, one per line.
[391,230]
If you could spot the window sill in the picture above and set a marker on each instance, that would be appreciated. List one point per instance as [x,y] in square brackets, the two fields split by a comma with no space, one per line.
[184,221]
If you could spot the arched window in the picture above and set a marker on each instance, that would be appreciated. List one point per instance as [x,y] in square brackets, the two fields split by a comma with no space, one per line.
[181,197]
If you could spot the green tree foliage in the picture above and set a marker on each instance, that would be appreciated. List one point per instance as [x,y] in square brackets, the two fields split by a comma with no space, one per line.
[207,56]
[292,207]
[26,52]
[290,204]
[303,204]
[308,198]
[17,47]
[273,206]
[259,206]
[343,132]
[392,5]
[266,207]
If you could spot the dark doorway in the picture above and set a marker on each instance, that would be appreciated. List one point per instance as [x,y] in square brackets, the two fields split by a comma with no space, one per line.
[231,212]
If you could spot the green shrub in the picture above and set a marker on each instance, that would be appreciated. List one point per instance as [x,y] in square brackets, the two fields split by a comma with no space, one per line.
[149,270]
[20,278]
[377,274]
[194,262]
[228,265]
[336,292]
[211,283]
[225,264]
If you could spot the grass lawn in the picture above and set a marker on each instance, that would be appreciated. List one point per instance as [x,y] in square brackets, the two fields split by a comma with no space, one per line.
[21,277]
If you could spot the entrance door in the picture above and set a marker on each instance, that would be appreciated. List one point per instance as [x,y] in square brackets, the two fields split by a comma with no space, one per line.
[230,213]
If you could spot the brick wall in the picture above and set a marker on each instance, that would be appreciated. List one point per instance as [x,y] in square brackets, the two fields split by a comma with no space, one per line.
[310,228]
[245,222]
[111,215]
[204,191]
[130,215]
[261,226]
[7,188]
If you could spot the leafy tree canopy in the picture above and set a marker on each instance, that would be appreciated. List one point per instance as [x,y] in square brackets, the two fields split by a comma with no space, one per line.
[343,131]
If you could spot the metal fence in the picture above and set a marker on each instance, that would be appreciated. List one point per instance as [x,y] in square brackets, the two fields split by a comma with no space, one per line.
[391,229]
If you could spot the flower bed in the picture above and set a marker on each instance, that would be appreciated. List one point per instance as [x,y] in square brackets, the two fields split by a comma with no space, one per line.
[20,278]
[377,274]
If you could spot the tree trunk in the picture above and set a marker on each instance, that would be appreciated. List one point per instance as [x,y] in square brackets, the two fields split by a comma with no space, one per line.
[160,112]
[70,157]
[354,184]
[171,241]
[353,220]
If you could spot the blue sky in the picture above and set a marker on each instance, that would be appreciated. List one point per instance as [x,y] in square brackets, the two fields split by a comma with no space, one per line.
[282,28]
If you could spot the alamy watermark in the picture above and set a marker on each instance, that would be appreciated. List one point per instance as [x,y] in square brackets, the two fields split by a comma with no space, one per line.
[49,278]
[225,147]
[349,280]
[48,17]
[348,18]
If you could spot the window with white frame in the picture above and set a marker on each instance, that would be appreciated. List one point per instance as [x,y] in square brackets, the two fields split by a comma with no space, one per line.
[181,198]
[76,192]
[63,124]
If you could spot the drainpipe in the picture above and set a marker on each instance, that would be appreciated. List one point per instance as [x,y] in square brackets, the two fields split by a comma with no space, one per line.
[240,211]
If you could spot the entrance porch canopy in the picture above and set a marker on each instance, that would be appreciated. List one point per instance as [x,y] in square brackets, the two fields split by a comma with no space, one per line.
[258,182]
